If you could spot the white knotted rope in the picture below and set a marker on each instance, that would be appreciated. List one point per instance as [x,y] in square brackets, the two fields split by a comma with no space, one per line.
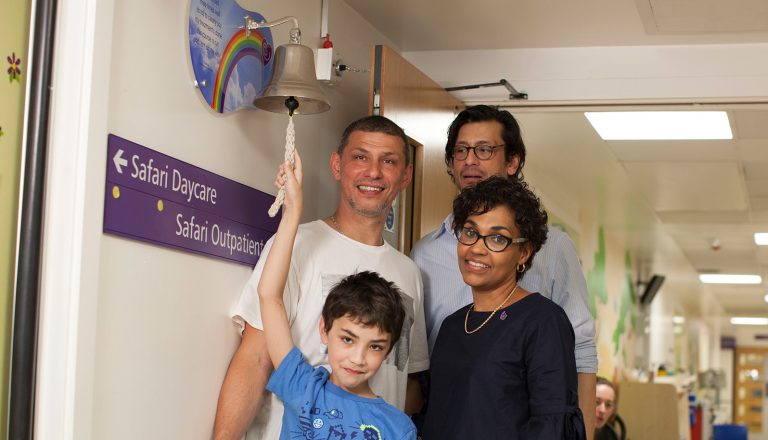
[290,147]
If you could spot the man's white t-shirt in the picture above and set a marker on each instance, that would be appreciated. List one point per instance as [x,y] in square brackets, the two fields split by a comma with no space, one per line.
[321,258]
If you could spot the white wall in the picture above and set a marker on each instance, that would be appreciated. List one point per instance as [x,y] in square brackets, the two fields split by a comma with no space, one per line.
[662,338]
[724,409]
[135,338]
[746,335]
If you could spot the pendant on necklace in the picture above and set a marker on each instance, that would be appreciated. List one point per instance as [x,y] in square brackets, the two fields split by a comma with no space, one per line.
[503,315]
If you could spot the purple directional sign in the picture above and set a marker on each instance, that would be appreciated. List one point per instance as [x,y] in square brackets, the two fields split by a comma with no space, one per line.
[152,197]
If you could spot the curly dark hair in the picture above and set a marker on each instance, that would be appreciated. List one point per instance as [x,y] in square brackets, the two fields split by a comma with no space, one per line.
[369,299]
[510,132]
[530,217]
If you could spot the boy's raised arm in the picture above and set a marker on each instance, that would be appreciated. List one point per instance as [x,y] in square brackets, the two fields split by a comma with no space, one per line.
[272,284]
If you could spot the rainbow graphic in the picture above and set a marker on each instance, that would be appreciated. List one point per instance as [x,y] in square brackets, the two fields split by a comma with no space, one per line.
[239,46]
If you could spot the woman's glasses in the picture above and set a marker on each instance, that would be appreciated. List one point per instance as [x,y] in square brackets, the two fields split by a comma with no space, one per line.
[494,242]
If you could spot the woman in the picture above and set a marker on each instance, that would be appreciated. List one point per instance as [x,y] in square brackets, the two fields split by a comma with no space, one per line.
[503,367]
[606,410]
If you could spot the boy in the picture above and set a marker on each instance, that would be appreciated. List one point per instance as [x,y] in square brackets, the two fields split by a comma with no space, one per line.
[361,321]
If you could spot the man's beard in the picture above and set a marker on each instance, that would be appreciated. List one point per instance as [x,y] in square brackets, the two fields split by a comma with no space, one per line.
[367,212]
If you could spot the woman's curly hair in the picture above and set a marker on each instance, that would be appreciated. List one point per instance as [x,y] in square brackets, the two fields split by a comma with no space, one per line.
[530,217]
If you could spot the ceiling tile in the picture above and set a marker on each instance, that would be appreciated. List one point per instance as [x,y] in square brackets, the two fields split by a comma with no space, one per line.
[690,186]
[699,150]
[751,124]
[693,217]
[753,150]
[733,261]
[741,300]
[755,171]
[762,254]
[757,188]
[729,242]
[700,236]
[748,308]
[710,16]
[760,216]
[759,203]
[745,291]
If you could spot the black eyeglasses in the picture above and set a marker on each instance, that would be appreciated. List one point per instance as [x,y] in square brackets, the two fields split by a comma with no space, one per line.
[494,242]
[482,152]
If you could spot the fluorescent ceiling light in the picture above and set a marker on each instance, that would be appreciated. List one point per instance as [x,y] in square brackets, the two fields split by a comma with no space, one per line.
[679,320]
[661,125]
[761,238]
[716,278]
[748,320]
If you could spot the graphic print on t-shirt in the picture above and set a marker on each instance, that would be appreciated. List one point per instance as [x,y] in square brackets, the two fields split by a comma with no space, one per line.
[399,354]
[317,423]
[329,281]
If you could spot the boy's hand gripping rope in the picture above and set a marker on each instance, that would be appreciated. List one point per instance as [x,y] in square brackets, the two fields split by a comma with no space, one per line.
[290,147]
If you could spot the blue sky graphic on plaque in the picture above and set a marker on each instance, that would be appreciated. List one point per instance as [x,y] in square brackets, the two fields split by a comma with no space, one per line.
[230,69]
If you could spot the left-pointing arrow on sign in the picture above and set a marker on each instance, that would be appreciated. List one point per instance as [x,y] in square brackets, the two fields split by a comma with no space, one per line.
[119,161]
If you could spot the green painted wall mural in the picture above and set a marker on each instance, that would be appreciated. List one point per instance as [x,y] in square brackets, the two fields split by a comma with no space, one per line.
[627,306]
[596,283]
[613,303]
[14,37]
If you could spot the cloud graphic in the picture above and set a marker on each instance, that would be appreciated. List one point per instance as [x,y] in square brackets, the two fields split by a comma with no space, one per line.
[234,94]
[249,94]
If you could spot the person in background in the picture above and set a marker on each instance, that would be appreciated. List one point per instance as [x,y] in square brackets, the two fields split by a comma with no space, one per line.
[605,400]
[372,166]
[361,321]
[482,142]
[503,367]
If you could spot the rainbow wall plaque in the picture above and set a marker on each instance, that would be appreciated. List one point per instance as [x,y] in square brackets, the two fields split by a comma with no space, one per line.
[230,69]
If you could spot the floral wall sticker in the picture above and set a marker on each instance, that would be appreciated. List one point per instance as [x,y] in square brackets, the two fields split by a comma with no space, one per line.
[14,72]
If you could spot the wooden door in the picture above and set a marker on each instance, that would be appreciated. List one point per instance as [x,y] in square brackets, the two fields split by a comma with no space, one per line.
[749,387]
[404,94]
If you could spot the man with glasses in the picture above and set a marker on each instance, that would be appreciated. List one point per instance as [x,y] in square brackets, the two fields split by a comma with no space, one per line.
[483,142]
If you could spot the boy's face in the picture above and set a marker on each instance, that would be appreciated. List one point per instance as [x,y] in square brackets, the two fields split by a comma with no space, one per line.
[355,353]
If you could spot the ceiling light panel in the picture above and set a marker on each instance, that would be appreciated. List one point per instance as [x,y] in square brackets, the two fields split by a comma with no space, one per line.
[716,278]
[749,320]
[661,125]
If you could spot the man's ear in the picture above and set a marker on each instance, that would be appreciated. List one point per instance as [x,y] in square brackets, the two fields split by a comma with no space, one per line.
[335,165]
[407,176]
[513,165]
[323,333]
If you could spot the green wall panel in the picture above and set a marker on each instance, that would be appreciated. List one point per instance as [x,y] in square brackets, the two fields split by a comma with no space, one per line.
[14,38]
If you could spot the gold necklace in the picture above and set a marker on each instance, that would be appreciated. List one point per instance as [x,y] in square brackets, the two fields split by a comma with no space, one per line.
[335,225]
[466,318]
[338,228]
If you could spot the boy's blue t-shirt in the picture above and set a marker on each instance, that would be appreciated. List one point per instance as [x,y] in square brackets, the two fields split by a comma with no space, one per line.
[317,409]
